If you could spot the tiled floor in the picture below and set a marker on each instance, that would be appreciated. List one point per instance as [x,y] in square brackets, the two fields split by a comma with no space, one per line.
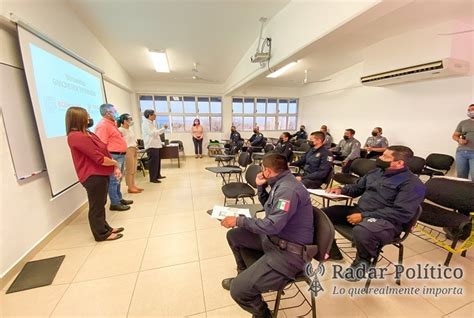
[173,257]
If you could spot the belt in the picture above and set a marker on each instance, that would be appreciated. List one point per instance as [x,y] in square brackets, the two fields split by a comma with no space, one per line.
[117,153]
[285,245]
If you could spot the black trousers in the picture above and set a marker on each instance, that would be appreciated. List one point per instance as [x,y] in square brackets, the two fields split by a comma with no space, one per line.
[197,146]
[369,235]
[154,163]
[312,183]
[97,188]
[248,286]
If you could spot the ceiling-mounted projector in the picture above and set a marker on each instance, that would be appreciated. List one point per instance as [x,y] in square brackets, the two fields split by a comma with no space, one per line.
[260,56]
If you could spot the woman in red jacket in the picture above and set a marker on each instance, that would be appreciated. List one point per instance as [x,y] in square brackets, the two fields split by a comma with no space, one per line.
[93,166]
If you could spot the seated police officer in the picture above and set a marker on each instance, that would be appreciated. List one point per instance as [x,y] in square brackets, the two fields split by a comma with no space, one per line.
[300,135]
[256,142]
[347,150]
[235,140]
[375,144]
[390,196]
[284,147]
[328,136]
[281,235]
[314,162]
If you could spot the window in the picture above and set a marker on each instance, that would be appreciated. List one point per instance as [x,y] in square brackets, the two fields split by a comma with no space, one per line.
[267,113]
[179,112]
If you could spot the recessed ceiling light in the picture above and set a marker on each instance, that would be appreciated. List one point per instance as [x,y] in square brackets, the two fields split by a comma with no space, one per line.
[281,70]
[160,61]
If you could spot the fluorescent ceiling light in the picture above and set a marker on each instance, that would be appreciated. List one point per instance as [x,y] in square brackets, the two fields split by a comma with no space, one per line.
[281,70]
[160,61]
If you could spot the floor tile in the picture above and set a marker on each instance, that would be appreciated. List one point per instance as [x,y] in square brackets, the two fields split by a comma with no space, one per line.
[172,223]
[213,243]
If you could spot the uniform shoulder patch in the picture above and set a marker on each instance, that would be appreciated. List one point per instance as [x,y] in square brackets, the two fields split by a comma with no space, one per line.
[283,205]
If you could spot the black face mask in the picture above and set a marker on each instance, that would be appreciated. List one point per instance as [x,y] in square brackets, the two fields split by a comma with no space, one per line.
[255,132]
[301,129]
[382,164]
[311,143]
[374,134]
[90,123]
[346,137]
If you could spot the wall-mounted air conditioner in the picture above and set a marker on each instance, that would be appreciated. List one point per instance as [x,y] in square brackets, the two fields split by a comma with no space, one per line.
[437,69]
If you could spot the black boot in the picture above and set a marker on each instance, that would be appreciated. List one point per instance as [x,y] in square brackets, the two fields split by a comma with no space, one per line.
[335,253]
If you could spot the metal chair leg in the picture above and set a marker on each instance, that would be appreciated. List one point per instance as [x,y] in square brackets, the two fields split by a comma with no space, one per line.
[277,303]
[400,261]
[450,255]
[313,306]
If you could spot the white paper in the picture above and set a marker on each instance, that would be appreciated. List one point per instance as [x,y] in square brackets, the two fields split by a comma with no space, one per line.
[323,193]
[220,212]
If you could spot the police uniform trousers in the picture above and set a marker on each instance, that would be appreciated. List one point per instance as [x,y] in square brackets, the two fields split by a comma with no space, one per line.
[369,235]
[260,277]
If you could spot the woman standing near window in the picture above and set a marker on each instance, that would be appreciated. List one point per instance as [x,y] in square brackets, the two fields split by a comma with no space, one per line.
[124,123]
[93,165]
[198,134]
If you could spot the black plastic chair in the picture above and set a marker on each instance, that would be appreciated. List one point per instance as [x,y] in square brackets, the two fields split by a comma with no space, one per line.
[346,232]
[416,165]
[303,147]
[268,147]
[451,202]
[437,164]
[359,168]
[323,238]
[241,190]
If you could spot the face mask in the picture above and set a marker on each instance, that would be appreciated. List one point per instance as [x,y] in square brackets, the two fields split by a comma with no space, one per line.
[311,143]
[346,137]
[90,123]
[382,164]
[470,115]
[374,133]
[255,132]
[130,123]
[281,139]
[301,129]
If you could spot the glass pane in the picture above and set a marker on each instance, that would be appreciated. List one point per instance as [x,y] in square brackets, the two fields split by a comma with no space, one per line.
[248,106]
[189,105]
[271,106]
[161,120]
[177,122]
[161,104]
[203,105]
[261,106]
[216,105]
[204,122]
[293,106]
[283,106]
[176,104]
[188,122]
[260,122]
[270,123]
[146,102]
[237,122]
[281,123]
[291,123]
[237,106]
[216,124]
[248,123]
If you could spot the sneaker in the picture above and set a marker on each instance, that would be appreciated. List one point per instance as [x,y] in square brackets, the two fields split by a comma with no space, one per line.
[126,202]
[119,207]
[357,270]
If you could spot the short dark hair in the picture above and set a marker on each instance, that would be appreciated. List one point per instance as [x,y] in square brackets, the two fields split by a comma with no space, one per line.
[123,118]
[287,134]
[276,162]
[379,129]
[304,127]
[319,134]
[352,131]
[148,112]
[401,153]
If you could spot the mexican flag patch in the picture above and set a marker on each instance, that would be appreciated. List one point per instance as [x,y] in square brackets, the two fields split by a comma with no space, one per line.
[283,205]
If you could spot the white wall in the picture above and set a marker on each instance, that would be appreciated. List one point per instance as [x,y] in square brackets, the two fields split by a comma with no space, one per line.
[421,115]
[27,212]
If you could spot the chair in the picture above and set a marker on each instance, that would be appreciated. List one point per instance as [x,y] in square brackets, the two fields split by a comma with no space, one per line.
[323,237]
[359,168]
[180,145]
[437,164]
[416,165]
[268,147]
[303,147]
[243,161]
[241,190]
[451,202]
[346,232]
[140,144]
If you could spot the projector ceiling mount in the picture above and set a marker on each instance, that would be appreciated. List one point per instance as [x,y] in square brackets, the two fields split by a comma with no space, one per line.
[260,55]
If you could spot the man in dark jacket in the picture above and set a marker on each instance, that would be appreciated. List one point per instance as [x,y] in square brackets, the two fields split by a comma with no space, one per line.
[390,197]
[314,163]
[300,134]
[280,236]
[284,147]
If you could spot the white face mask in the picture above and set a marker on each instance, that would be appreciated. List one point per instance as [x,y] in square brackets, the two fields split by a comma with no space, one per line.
[130,123]
[470,115]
